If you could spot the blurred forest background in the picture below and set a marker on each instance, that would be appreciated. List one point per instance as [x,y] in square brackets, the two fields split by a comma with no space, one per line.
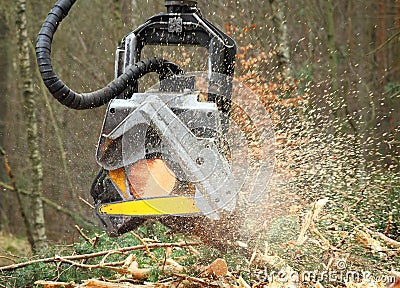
[328,73]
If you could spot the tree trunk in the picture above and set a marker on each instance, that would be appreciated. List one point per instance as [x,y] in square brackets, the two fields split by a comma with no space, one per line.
[397,30]
[3,76]
[117,8]
[380,39]
[282,42]
[3,92]
[333,60]
[38,222]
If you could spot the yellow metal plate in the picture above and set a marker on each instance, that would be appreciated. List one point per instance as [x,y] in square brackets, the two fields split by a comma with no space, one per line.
[151,207]
[118,177]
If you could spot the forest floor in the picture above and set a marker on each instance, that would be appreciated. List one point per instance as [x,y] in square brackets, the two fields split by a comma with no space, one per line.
[290,243]
[11,245]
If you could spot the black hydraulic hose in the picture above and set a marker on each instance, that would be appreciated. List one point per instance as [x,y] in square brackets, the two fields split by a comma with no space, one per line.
[75,100]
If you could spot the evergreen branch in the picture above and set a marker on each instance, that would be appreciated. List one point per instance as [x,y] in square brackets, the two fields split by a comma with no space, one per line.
[58,258]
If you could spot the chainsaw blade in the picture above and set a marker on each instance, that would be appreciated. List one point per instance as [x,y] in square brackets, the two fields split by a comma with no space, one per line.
[160,206]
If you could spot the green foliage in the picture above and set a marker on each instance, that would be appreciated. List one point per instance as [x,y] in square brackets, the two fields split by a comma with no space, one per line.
[282,229]
[25,277]
[336,241]
[393,89]
[305,74]
[343,230]
[154,274]
[64,272]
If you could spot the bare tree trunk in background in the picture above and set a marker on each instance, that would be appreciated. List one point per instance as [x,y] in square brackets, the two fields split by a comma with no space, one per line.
[3,75]
[397,30]
[281,36]
[333,59]
[380,39]
[38,222]
[117,7]
[3,91]
[347,73]
[134,8]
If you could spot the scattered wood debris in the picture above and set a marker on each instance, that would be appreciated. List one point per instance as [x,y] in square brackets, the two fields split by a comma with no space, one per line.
[173,273]
[218,268]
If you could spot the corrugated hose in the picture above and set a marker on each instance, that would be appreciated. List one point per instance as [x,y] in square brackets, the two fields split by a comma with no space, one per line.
[66,95]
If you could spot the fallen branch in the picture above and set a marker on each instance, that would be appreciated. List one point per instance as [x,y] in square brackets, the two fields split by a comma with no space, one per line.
[56,258]
[389,223]
[193,251]
[7,258]
[86,238]
[242,283]
[148,252]
[94,283]
[134,270]
[49,284]
[128,267]
[86,203]
[309,219]
[196,280]
[389,241]
[110,266]
[93,241]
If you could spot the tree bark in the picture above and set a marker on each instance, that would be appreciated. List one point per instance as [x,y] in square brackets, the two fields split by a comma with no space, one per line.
[3,76]
[381,36]
[3,91]
[38,221]
[333,60]
[117,8]
[397,30]
[282,42]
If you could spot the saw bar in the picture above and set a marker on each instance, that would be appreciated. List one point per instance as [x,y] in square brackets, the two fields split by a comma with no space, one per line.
[175,205]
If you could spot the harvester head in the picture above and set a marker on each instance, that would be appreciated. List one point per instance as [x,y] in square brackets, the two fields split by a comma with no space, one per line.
[162,156]
[162,153]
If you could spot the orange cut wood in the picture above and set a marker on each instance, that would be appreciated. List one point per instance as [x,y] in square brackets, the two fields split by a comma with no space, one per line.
[151,178]
[218,267]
